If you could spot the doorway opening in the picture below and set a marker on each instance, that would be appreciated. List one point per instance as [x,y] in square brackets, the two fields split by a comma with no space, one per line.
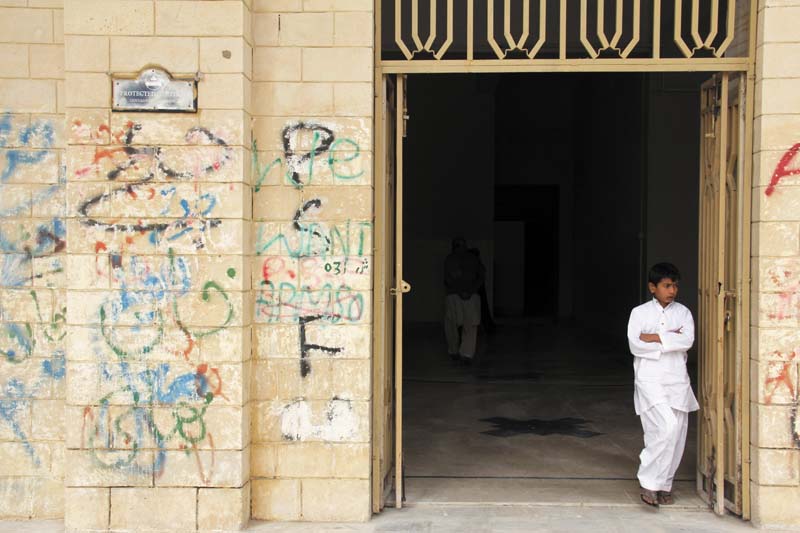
[569,186]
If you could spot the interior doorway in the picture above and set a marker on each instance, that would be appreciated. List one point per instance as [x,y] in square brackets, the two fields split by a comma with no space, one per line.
[569,186]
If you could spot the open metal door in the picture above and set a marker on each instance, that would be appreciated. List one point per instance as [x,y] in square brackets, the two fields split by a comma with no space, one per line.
[387,449]
[723,373]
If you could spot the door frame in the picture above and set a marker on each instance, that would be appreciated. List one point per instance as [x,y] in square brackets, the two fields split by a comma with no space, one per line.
[380,271]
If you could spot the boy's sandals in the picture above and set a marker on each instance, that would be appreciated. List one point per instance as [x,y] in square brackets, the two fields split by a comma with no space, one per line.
[665,497]
[650,497]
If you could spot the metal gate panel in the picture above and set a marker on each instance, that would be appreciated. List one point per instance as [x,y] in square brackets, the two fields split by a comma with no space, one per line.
[722,361]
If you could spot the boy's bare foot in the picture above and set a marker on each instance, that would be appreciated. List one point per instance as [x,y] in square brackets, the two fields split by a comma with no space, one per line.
[650,497]
[665,497]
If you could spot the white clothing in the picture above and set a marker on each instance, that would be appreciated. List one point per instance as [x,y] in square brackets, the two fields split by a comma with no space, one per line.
[660,375]
[464,313]
[664,441]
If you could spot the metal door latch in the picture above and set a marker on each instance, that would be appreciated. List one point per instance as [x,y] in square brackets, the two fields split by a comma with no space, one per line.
[402,289]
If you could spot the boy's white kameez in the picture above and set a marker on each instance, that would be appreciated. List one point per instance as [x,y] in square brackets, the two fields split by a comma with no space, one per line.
[663,395]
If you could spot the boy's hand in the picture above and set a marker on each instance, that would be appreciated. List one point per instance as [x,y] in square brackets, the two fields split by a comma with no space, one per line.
[649,337]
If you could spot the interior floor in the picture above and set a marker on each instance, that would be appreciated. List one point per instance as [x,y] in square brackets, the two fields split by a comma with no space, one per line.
[544,415]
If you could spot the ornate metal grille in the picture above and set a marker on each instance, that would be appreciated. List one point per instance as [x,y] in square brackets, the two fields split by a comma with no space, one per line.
[460,32]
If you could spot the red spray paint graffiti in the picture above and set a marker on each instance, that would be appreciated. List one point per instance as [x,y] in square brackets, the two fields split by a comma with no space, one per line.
[783,170]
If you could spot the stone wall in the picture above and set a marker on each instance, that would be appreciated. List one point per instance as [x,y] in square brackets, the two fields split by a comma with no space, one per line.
[776,267]
[32,259]
[158,292]
[312,276]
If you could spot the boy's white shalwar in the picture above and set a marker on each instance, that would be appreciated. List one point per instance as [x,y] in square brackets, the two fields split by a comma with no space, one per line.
[663,395]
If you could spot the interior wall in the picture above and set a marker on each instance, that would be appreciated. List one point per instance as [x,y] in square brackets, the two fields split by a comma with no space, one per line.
[608,200]
[673,152]
[534,146]
[449,183]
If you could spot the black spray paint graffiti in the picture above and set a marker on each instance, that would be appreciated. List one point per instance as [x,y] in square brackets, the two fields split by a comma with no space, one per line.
[509,427]
[193,214]
[306,347]
[317,140]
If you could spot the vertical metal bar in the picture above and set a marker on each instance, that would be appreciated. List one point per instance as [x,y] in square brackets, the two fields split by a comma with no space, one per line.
[747,177]
[415,24]
[398,302]
[562,31]
[432,32]
[601,21]
[656,29]
[678,23]
[719,384]
[471,29]
[698,42]
[712,31]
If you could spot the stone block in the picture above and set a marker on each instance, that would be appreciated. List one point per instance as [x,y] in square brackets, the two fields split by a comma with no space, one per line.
[337,5]
[775,239]
[775,467]
[178,55]
[277,203]
[100,17]
[47,61]
[216,19]
[778,60]
[353,29]
[222,91]
[88,90]
[263,460]
[266,29]
[223,509]
[28,96]
[306,29]
[17,495]
[340,203]
[338,64]
[169,509]
[48,420]
[353,99]
[775,507]
[336,500]
[277,64]
[778,24]
[780,206]
[766,163]
[226,55]
[156,129]
[232,126]
[117,467]
[352,461]
[292,99]
[86,508]
[777,96]
[304,460]
[230,426]
[227,345]
[25,26]
[276,499]
[14,60]
[24,459]
[48,499]
[281,6]
[205,468]
[772,426]
[775,132]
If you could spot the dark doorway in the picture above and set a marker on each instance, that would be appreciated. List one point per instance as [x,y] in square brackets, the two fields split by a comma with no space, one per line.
[533,209]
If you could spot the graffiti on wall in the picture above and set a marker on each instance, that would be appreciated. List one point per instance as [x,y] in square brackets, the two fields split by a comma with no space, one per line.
[787,166]
[312,271]
[149,326]
[32,317]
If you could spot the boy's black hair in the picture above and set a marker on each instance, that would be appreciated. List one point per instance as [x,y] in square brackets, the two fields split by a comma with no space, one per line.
[660,271]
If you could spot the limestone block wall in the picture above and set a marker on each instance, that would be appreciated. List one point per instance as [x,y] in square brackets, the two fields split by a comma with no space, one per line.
[312,211]
[776,267]
[159,313]
[32,259]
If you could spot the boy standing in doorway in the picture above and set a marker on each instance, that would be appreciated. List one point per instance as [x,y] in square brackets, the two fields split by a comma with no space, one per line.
[463,275]
[659,334]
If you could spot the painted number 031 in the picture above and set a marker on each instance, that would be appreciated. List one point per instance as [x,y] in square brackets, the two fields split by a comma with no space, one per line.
[334,267]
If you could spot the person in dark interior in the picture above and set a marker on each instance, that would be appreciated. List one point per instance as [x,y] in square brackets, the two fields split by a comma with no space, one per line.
[463,276]
[486,314]
[659,334]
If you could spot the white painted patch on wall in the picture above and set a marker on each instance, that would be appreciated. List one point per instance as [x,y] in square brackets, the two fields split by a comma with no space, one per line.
[338,422]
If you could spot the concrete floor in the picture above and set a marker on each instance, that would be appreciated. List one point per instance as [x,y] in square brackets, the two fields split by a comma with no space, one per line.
[482,519]
[544,416]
